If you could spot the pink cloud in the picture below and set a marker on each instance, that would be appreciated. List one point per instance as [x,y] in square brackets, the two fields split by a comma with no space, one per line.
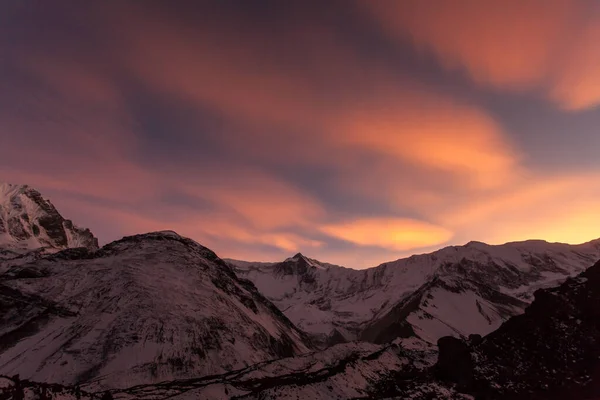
[521,45]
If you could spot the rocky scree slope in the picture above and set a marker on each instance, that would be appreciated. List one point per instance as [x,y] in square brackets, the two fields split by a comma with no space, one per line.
[29,222]
[457,291]
[143,309]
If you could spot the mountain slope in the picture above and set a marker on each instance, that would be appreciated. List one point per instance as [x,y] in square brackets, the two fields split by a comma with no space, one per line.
[458,290]
[344,371]
[143,309]
[29,222]
[349,370]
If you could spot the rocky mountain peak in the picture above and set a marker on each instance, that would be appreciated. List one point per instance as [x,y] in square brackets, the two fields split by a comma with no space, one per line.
[299,265]
[298,257]
[301,259]
[28,221]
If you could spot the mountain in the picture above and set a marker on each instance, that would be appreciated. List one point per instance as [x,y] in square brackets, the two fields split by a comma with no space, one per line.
[158,315]
[143,309]
[550,352]
[29,222]
[457,291]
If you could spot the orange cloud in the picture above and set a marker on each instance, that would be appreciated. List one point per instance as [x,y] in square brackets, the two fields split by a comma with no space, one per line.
[510,44]
[409,122]
[267,203]
[413,126]
[435,133]
[555,208]
[578,87]
[390,233]
[216,229]
[232,233]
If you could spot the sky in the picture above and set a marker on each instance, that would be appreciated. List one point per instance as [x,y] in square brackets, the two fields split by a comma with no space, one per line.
[355,132]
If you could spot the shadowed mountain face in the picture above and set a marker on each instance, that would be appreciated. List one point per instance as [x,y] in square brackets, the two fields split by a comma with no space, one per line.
[143,309]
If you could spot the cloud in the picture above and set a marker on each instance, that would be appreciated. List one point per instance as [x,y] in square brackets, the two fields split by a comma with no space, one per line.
[260,199]
[266,140]
[171,56]
[75,81]
[283,117]
[276,117]
[579,85]
[552,207]
[513,44]
[433,132]
[389,233]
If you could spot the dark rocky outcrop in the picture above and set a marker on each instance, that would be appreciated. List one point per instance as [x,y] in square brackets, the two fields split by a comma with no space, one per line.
[455,363]
[550,352]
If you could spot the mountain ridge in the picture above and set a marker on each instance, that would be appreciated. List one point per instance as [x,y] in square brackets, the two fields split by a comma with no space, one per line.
[492,281]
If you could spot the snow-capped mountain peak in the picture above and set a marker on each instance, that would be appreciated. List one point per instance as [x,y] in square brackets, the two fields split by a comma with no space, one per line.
[28,221]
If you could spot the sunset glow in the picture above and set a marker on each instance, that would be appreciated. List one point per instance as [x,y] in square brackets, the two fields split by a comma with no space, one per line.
[356,132]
